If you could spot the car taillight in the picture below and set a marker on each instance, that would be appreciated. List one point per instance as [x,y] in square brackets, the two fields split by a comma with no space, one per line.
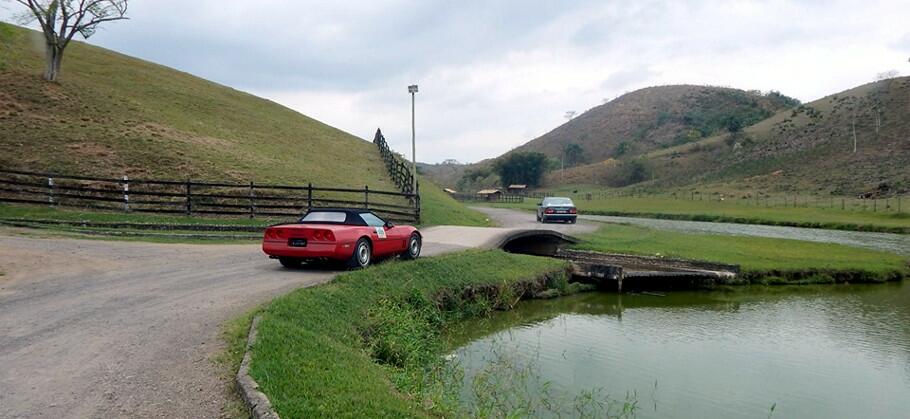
[272,234]
[549,211]
[323,235]
[573,211]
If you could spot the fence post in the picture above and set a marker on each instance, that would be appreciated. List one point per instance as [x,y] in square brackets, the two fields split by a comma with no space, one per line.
[309,196]
[189,198]
[252,202]
[50,191]
[126,193]
[417,207]
[366,196]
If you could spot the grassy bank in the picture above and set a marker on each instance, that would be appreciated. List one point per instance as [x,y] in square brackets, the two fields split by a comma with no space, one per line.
[763,260]
[732,212]
[112,115]
[438,208]
[367,344]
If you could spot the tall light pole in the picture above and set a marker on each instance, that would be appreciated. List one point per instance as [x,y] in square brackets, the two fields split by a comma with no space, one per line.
[412,89]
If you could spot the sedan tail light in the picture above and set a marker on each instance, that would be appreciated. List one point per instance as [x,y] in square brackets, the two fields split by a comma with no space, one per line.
[573,211]
[549,211]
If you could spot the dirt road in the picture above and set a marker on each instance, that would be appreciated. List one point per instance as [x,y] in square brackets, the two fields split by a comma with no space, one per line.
[123,329]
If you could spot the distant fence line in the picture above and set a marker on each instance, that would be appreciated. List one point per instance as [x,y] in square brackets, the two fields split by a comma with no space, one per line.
[894,204]
[196,198]
[399,172]
[517,199]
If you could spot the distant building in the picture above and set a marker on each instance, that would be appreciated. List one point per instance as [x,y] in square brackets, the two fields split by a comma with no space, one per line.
[490,194]
[518,189]
[450,191]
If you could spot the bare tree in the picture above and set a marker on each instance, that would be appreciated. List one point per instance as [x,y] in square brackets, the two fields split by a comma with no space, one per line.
[61,20]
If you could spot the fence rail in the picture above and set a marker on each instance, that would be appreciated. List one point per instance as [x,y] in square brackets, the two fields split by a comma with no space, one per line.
[514,199]
[887,204]
[194,197]
[399,172]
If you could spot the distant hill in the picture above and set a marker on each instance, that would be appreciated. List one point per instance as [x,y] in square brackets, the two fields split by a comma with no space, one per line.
[112,115]
[658,117]
[808,148]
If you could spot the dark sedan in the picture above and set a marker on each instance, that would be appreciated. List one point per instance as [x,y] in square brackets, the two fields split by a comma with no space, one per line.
[557,209]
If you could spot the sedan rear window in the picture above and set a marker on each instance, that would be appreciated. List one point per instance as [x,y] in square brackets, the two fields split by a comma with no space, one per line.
[325,217]
[558,202]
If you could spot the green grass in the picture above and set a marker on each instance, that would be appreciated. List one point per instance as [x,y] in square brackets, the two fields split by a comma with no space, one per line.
[733,211]
[234,334]
[758,257]
[112,115]
[438,208]
[68,214]
[365,344]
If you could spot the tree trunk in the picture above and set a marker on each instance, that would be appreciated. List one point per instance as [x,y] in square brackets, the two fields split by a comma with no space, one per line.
[54,58]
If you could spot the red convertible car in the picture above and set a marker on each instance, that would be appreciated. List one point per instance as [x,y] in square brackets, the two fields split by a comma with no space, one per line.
[354,236]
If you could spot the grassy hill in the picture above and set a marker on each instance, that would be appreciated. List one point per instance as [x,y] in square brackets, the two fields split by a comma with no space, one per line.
[805,149]
[640,122]
[112,115]
[809,148]
[657,117]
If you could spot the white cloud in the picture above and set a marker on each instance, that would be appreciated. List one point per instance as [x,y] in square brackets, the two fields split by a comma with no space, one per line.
[494,75]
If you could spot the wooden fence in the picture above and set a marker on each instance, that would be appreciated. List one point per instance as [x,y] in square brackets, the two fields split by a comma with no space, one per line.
[513,199]
[197,198]
[399,171]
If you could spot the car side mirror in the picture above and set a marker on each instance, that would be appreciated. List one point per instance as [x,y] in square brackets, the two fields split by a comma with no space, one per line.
[388,224]
[540,204]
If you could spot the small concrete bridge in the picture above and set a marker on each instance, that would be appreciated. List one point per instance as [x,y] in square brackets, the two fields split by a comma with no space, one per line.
[538,242]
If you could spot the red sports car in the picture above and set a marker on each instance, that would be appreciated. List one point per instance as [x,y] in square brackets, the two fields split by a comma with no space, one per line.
[354,236]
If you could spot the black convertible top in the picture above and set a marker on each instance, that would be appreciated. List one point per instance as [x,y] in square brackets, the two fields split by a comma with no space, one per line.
[352,216]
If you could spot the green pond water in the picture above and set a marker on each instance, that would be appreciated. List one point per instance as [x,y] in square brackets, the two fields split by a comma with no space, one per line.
[810,352]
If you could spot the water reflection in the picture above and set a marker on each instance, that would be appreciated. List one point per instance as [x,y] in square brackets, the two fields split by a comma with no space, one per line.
[826,351]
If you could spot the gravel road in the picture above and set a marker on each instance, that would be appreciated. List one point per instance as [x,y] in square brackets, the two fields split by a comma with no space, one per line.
[509,218]
[93,328]
[894,243]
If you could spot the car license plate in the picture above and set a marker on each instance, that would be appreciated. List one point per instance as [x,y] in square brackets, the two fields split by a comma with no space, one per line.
[561,212]
[297,242]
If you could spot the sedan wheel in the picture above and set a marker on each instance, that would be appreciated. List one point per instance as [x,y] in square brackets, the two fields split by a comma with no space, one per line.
[414,246]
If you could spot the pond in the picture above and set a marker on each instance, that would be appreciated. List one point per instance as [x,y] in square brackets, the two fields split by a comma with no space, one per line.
[750,352]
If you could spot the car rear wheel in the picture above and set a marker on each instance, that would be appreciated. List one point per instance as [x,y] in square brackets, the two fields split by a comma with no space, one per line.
[414,246]
[290,263]
[363,253]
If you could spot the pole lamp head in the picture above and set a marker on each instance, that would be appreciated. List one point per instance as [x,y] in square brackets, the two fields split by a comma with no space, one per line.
[412,88]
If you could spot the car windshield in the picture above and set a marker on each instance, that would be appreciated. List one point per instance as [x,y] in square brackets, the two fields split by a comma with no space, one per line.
[558,202]
[316,217]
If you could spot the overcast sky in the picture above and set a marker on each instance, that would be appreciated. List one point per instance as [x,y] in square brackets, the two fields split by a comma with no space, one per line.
[495,74]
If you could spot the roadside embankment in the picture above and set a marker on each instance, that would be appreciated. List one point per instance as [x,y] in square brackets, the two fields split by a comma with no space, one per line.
[370,342]
[762,260]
